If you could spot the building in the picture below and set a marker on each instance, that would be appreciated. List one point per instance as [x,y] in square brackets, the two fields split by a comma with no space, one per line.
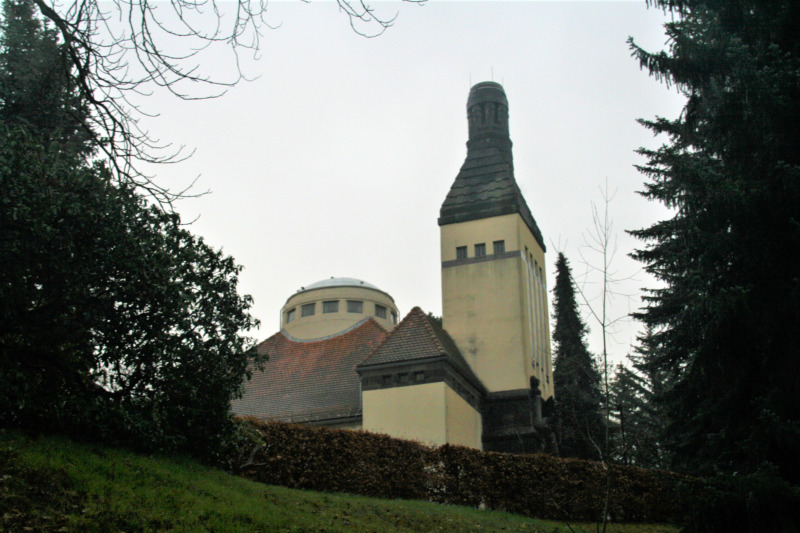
[482,377]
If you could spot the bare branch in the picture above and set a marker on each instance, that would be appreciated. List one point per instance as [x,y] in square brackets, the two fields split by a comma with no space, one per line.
[126,48]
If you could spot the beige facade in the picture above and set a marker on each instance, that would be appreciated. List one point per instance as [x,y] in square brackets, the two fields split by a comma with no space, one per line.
[331,306]
[494,305]
[431,413]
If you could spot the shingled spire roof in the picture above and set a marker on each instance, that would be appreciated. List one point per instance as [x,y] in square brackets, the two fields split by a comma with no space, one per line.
[485,186]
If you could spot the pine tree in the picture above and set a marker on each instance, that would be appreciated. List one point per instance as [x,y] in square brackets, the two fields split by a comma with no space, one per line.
[636,404]
[726,319]
[37,91]
[580,427]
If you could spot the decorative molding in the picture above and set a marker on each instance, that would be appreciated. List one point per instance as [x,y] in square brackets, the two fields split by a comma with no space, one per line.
[409,373]
[482,259]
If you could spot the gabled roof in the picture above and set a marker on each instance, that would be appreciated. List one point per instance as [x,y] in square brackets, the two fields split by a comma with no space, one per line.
[307,381]
[418,338]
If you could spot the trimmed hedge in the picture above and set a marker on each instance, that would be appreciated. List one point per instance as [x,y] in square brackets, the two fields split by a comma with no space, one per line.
[542,486]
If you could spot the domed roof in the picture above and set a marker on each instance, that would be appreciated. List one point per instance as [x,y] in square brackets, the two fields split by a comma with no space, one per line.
[339,282]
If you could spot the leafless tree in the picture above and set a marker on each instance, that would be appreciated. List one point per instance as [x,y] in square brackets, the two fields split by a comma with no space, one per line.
[125,48]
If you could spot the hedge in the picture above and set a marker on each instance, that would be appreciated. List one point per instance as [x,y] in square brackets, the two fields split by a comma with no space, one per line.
[542,486]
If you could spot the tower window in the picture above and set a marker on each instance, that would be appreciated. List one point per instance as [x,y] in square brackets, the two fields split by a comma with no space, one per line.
[394,317]
[461,252]
[499,247]
[307,309]
[355,306]
[330,307]
[290,314]
[380,311]
[480,250]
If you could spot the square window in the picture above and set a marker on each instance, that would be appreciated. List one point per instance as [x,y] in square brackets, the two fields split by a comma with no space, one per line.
[290,315]
[307,309]
[461,252]
[480,250]
[355,306]
[380,311]
[330,307]
[499,247]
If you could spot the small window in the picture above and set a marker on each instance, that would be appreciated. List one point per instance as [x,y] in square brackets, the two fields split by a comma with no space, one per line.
[330,307]
[380,311]
[480,250]
[499,247]
[307,309]
[290,315]
[355,306]
[394,317]
[461,252]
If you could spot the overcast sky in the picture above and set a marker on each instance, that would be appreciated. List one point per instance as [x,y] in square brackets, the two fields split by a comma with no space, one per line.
[336,159]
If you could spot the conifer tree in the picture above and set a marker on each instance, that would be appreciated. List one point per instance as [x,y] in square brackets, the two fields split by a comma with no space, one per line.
[726,320]
[637,406]
[579,424]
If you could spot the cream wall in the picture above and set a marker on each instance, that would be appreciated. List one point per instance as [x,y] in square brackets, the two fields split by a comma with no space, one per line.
[324,324]
[496,309]
[415,412]
[431,413]
[464,423]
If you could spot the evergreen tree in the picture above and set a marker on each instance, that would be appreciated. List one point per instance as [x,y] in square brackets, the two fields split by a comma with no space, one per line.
[726,320]
[637,407]
[115,322]
[579,424]
[36,88]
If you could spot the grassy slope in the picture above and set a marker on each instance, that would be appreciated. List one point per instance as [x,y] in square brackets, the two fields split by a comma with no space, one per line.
[51,484]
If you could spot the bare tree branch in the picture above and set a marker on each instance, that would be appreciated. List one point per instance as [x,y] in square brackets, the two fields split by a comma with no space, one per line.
[126,48]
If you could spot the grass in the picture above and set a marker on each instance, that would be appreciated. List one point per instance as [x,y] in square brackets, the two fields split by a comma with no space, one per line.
[53,484]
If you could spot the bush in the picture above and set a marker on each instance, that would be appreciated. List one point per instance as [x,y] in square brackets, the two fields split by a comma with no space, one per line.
[541,486]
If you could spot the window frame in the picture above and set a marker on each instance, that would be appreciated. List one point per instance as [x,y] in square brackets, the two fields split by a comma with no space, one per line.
[480,249]
[351,304]
[309,309]
[327,304]
[499,247]
[380,311]
[461,253]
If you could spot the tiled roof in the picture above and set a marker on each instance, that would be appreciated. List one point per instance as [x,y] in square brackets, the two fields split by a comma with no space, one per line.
[416,338]
[307,381]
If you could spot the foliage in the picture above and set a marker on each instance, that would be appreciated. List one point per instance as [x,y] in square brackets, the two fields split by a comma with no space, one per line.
[579,424]
[533,485]
[115,322]
[54,485]
[726,318]
[637,407]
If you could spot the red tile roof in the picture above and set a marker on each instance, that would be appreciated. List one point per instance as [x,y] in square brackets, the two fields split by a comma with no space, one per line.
[308,381]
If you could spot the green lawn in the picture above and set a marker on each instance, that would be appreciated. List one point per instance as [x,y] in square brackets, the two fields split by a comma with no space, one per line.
[52,484]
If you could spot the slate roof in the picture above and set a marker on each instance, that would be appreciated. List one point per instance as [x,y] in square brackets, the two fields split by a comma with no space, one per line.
[485,187]
[417,338]
[308,381]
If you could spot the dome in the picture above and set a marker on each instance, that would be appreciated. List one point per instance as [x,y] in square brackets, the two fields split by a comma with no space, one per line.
[338,282]
[334,305]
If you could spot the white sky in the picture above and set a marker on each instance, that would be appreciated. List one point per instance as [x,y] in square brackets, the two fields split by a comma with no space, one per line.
[336,160]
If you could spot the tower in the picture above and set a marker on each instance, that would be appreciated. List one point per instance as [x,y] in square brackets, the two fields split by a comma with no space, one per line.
[494,291]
